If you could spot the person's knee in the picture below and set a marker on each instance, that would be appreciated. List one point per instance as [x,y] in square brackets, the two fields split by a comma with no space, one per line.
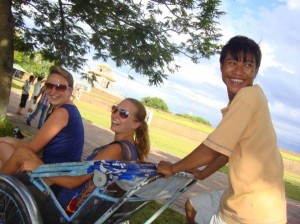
[10,160]
[190,212]
[21,154]
[6,150]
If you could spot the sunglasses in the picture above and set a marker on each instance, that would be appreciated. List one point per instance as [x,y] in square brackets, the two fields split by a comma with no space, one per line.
[122,113]
[58,87]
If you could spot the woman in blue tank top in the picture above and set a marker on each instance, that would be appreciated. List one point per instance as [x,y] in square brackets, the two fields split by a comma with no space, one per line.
[61,137]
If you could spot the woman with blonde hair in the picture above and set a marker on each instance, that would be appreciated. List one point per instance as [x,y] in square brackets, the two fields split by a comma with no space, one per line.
[60,138]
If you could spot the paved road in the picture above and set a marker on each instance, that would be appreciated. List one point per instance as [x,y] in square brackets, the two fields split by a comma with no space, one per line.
[96,136]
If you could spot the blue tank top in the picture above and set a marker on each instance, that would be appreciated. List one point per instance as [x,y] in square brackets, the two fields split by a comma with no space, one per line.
[129,152]
[67,145]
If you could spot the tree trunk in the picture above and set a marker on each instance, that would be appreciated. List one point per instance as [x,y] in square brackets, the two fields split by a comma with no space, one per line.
[6,54]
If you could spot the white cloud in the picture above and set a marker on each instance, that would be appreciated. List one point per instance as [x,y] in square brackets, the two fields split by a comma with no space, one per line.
[207,71]
[293,4]
[289,114]
[287,134]
[269,59]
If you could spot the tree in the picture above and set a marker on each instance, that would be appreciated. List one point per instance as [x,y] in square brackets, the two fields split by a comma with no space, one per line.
[155,103]
[34,63]
[6,55]
[142,35]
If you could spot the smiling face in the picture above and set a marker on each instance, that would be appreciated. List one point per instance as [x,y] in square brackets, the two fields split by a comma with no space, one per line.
[238,72]
[124,128]
[58,97]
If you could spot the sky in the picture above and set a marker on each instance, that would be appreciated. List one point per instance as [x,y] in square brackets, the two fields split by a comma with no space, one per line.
[197,89]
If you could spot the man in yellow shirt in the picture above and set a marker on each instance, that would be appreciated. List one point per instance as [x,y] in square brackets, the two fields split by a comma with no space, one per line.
[247,139]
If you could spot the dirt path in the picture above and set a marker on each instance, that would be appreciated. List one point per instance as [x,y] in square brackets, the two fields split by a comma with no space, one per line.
[96,136]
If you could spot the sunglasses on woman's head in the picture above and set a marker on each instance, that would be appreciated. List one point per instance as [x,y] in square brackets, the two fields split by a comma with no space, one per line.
[58,87]
[122,113]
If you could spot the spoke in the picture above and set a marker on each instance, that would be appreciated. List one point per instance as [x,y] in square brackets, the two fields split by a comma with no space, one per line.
[9,211]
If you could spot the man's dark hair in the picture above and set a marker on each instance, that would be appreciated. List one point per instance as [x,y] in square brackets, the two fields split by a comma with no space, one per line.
[240,44]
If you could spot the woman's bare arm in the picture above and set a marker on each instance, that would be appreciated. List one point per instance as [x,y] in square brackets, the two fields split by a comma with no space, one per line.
[111,152]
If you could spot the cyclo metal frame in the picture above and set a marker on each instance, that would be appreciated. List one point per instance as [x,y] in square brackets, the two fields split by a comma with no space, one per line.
[112,170]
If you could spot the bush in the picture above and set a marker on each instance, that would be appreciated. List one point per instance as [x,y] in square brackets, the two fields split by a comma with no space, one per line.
[155,103]
[195,118]
[6,128]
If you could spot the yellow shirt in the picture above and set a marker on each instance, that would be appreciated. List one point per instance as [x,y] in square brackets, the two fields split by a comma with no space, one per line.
[246,135]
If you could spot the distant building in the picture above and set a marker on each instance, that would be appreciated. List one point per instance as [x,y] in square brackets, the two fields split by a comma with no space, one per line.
[18,71]
[104,77]
[79,87]
[104,81]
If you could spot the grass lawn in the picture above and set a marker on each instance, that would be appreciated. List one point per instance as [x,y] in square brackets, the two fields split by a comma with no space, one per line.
[185,122]
[168,216]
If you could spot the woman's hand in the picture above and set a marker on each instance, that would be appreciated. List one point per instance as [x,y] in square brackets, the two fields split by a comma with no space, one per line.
[165,168]
[31,163]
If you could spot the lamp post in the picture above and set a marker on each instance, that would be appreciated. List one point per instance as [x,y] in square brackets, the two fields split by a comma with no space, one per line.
[129,77]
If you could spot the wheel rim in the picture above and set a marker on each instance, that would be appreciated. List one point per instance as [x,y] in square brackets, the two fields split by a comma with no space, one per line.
[9,210]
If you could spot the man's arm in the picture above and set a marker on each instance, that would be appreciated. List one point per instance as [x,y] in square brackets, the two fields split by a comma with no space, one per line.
[200,156]
[212,167]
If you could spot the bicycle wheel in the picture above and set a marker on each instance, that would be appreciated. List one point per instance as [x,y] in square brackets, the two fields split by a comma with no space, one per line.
[16,203]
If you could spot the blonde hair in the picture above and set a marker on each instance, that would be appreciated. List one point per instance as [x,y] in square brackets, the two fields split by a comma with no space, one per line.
[63,72]
[141,138]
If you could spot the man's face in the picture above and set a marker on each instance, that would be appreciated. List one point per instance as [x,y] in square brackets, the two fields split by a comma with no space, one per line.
[238,73]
